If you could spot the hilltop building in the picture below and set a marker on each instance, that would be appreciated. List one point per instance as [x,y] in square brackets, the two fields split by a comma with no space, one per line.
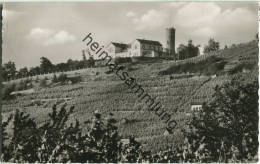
[139,47]
[147,48]
[118,49]
[142,47]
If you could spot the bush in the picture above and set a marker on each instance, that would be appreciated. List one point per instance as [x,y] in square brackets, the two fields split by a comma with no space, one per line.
[209,66]
[130,68]
[62,78]
[239,67]
[20,86]
[54,79]
[75,79]
[23,85]
[43,82]
[180,77]
[143,59]
[226,130]
[7,90]
[91,62]
[109,71]
[212,46]
[57,141]
[37,79]
[120,60]
[188,51]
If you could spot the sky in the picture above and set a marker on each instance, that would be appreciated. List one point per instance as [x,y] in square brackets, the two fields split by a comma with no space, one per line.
[56,29]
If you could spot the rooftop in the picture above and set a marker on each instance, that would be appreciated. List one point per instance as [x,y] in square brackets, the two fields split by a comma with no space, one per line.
[151,42]
[196,103]
[120,45]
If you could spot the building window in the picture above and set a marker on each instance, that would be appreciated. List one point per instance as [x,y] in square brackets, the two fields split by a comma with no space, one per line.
[135,46]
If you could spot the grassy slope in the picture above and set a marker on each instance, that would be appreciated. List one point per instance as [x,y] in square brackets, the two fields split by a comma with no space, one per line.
[107,93]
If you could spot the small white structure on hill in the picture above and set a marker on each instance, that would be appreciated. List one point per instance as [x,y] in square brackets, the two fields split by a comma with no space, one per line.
[196,106]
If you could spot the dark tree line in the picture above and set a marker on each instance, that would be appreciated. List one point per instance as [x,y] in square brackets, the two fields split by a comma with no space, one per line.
[226,130]
[187,51]
[190,50]
[46,66]
[212,46]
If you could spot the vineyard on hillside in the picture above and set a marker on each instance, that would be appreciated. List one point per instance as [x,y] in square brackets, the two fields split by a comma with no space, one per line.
[132,117]
[107,94]
[241,52]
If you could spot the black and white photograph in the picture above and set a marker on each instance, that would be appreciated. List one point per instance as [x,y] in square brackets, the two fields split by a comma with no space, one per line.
[129,82]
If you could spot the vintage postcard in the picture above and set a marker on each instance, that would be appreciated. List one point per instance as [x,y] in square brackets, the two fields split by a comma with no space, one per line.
[129,82]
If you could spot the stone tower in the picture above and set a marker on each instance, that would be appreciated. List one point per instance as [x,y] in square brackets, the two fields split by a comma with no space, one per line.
[170,41]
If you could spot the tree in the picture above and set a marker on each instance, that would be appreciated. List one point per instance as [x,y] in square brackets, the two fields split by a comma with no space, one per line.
[104,142]
[46,66]
[192,50]
[23,72]
[188,51]
[226,47]
[8,70]
[181,52]
[47,143]
[132,151]
[43,82]
[61,67]
[58,141]
[7,90]
[226,130]
[91,61]
[63,78]
[35,71]
[83,56]
[54,79]
[212,46]
[71,64]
